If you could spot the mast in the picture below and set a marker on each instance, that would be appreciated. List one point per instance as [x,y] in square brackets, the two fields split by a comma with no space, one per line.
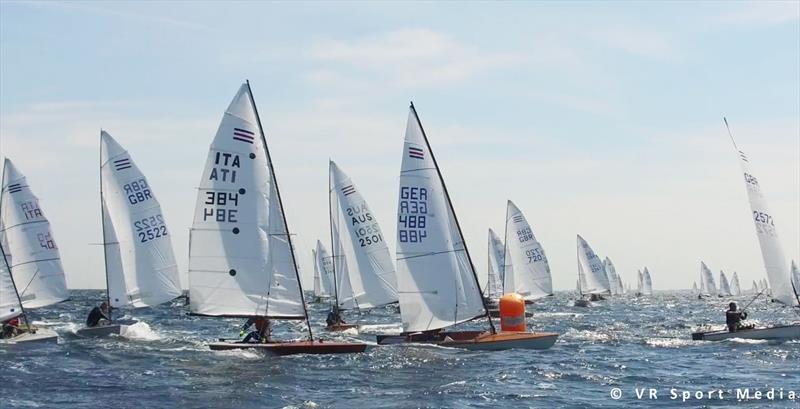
[333,246]
[280,202]
[103,224]
[8,268]
[505,249]
[455,217]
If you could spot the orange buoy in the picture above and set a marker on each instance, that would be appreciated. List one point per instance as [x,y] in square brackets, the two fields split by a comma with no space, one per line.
[512,313]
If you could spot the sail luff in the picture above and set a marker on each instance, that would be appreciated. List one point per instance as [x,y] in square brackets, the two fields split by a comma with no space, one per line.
[10,306]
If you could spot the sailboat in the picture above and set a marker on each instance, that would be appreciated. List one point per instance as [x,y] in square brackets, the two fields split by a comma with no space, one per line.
[619,284]
[736,288]
[795,276]
[11,307]
[724,286]
[525,268]
[30,248]
[707,285]
[496,262]
[647,282]
[777,268]
[694,287]
[437,284]
[241,258]
[639,282]
[323,273]
[363,272]
[139,261]
[592,275]
[613,278]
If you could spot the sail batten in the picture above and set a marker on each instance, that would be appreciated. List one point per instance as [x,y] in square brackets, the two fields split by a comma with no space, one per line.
[30,248]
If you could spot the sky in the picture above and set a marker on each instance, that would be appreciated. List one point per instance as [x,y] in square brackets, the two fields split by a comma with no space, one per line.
[602,119]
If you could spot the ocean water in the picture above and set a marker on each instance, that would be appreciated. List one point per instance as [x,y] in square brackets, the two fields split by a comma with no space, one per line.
[624,343]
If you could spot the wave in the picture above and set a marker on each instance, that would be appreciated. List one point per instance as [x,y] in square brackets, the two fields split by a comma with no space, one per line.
[140,331]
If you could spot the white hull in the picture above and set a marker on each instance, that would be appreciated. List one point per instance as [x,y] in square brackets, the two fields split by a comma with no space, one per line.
[101,330]
[781,332]
[41,336]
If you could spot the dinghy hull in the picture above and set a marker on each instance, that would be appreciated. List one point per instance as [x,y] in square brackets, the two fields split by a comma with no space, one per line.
[294,347]
[101,330]
[41,336]
[505,340]
[780,332]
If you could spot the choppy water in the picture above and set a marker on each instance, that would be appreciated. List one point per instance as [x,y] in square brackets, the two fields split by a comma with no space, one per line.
[623,342]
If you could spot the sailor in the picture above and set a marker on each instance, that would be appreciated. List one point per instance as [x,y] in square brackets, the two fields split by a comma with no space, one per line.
[98,315]
[334,318]
[10,328]
[734,318]
[261,332]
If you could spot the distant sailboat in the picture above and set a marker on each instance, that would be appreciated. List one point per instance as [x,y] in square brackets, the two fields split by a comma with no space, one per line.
[613,277]
[591,273]
[496,261]
[708,287]
[139,261]
[30,247]
[639,283]
[241,258]
[724,286]
[736,288]
[795,276]
[526,270]
[774,261]
[362,266]
[323,272]
[437,283]
[694,287]
[647,282]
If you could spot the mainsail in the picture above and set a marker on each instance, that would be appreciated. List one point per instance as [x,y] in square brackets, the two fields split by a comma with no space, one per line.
[639,282]
[526,271]
[361,257]
[10,305]
[323,272]
[140,268]
[496,257]
[241,260]
[795,276]
[436,280]
[592,274]
[736,288]
[724,286]
[613,277]
[771,249]
[31,250]
[647,283]
[708,287]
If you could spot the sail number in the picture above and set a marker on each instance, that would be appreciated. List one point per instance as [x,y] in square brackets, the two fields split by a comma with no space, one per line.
[534,255]
[221,214]
[366,235]
[748,178]
[31,210]
[150,228]
[137,191]
[412,217]
[524,235]
[46,241]
[763,218]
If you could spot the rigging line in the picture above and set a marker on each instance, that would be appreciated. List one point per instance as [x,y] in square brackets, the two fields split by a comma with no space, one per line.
[433,253]
[729,132]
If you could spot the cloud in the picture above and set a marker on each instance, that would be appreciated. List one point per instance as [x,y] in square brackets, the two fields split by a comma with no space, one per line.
[407,57]
[637,41]
[762,13]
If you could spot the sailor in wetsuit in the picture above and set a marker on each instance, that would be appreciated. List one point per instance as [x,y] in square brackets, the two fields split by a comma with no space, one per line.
[734,318]
[11,328]
[260,334]
[97,314]
[334,318]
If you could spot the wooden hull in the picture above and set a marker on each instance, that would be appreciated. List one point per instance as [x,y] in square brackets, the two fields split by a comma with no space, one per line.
[101,330]
[294,347]
[476,340]
[505,340]
[341,327]
[780,332]
[41,336]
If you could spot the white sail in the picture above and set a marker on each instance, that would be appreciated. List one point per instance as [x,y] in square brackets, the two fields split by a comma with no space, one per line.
[241,262]
[694,287]
[10,305]
[709,286]
[619,284]
[647,283]
[771,250]
[613,278]
[323,265]
[494,287]
[591,272]
[31,250]
[317,286]
[639,282]
[795,276]
[736,288]
[526,270]
[435,278]
[724,286]
[146,273]
[359,245]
